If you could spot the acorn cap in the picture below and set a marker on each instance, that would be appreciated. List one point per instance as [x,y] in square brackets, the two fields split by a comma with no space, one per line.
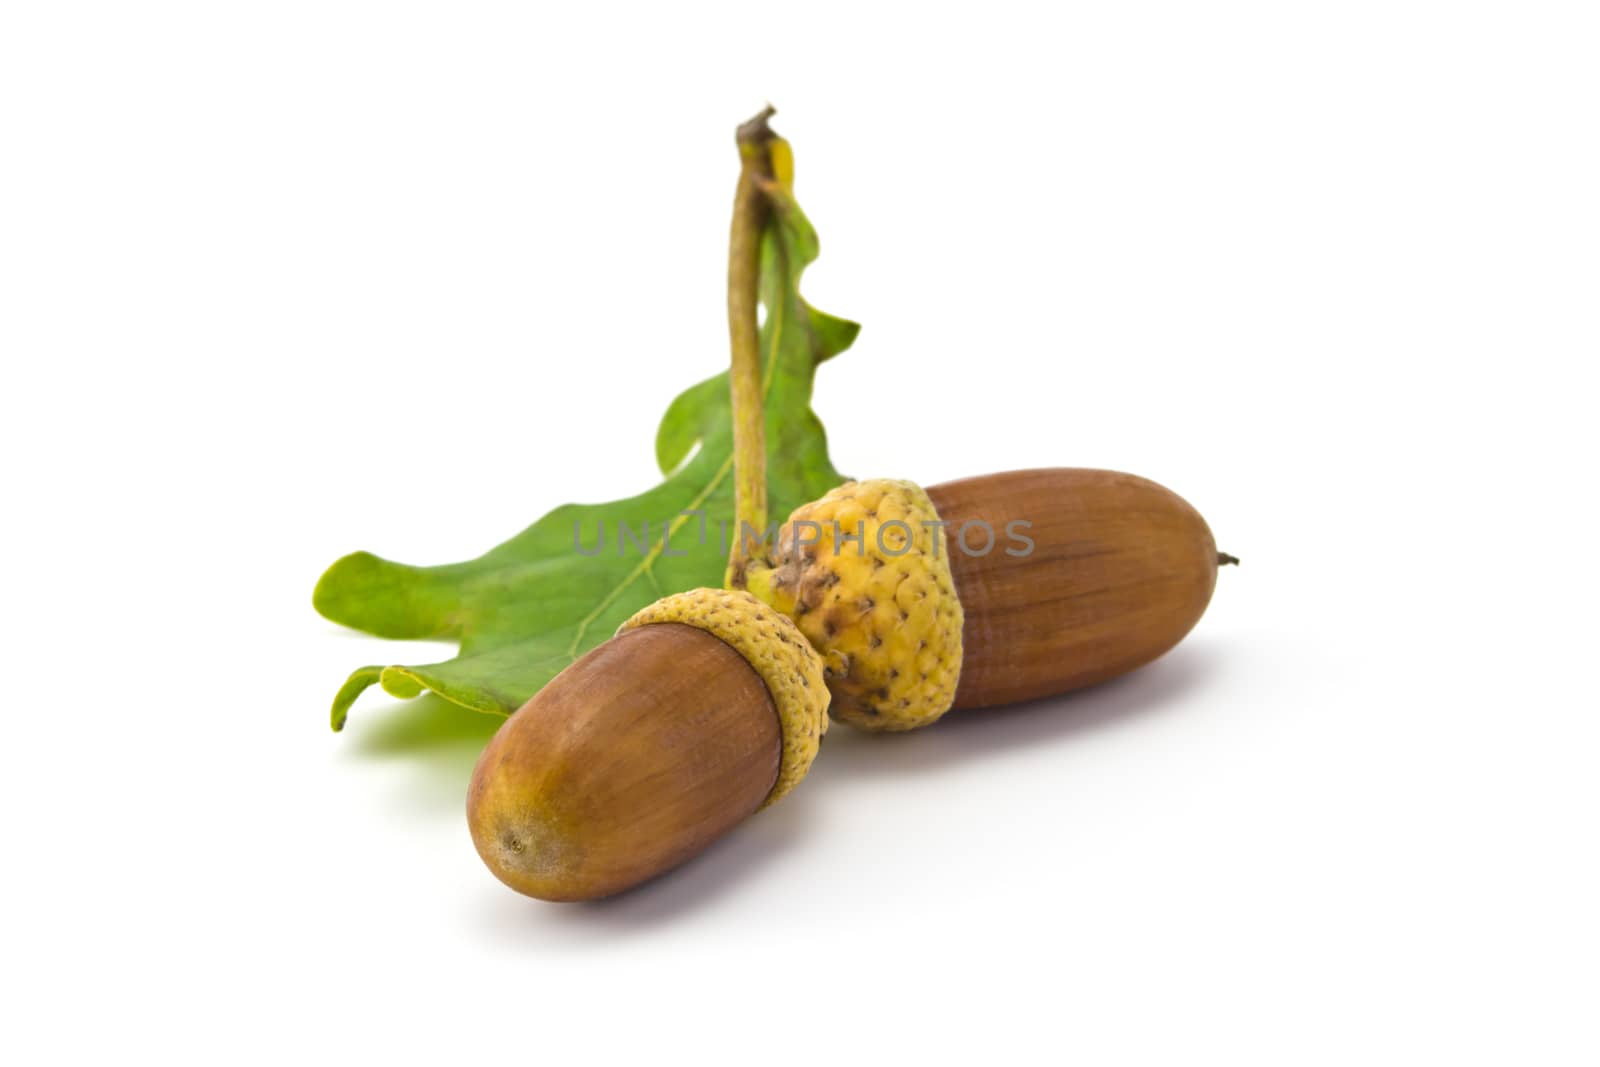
[778,652]
[865,573]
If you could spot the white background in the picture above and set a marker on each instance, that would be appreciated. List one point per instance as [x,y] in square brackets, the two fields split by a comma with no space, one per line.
[280,281]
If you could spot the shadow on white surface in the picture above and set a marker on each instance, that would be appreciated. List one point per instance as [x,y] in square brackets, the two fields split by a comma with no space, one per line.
[1157,689]
[435,741]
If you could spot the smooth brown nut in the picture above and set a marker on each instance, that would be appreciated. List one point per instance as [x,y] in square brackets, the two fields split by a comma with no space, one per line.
[1120,570]
[629,762]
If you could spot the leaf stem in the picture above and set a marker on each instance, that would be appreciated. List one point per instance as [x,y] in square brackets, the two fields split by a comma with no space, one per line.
[750,212]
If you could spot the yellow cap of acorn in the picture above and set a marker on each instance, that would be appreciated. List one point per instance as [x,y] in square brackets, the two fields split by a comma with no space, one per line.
[865,573]
[768,642]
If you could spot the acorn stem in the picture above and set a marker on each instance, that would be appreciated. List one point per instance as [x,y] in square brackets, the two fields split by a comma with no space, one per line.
[750,212]
[1223,559]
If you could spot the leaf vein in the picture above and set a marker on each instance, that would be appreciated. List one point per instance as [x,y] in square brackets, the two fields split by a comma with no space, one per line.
[682,517]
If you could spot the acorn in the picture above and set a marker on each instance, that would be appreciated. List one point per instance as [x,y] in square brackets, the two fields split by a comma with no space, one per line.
[705,707]
[987,590]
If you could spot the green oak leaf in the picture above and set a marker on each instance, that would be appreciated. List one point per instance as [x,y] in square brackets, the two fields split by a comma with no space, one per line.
[527,608]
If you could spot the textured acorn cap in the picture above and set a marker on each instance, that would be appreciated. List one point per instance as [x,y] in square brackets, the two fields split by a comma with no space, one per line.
[865,573]
[778,652]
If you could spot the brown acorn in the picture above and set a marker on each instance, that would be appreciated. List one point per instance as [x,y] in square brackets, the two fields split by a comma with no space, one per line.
[987,590]
[706,706]
[1117,570]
